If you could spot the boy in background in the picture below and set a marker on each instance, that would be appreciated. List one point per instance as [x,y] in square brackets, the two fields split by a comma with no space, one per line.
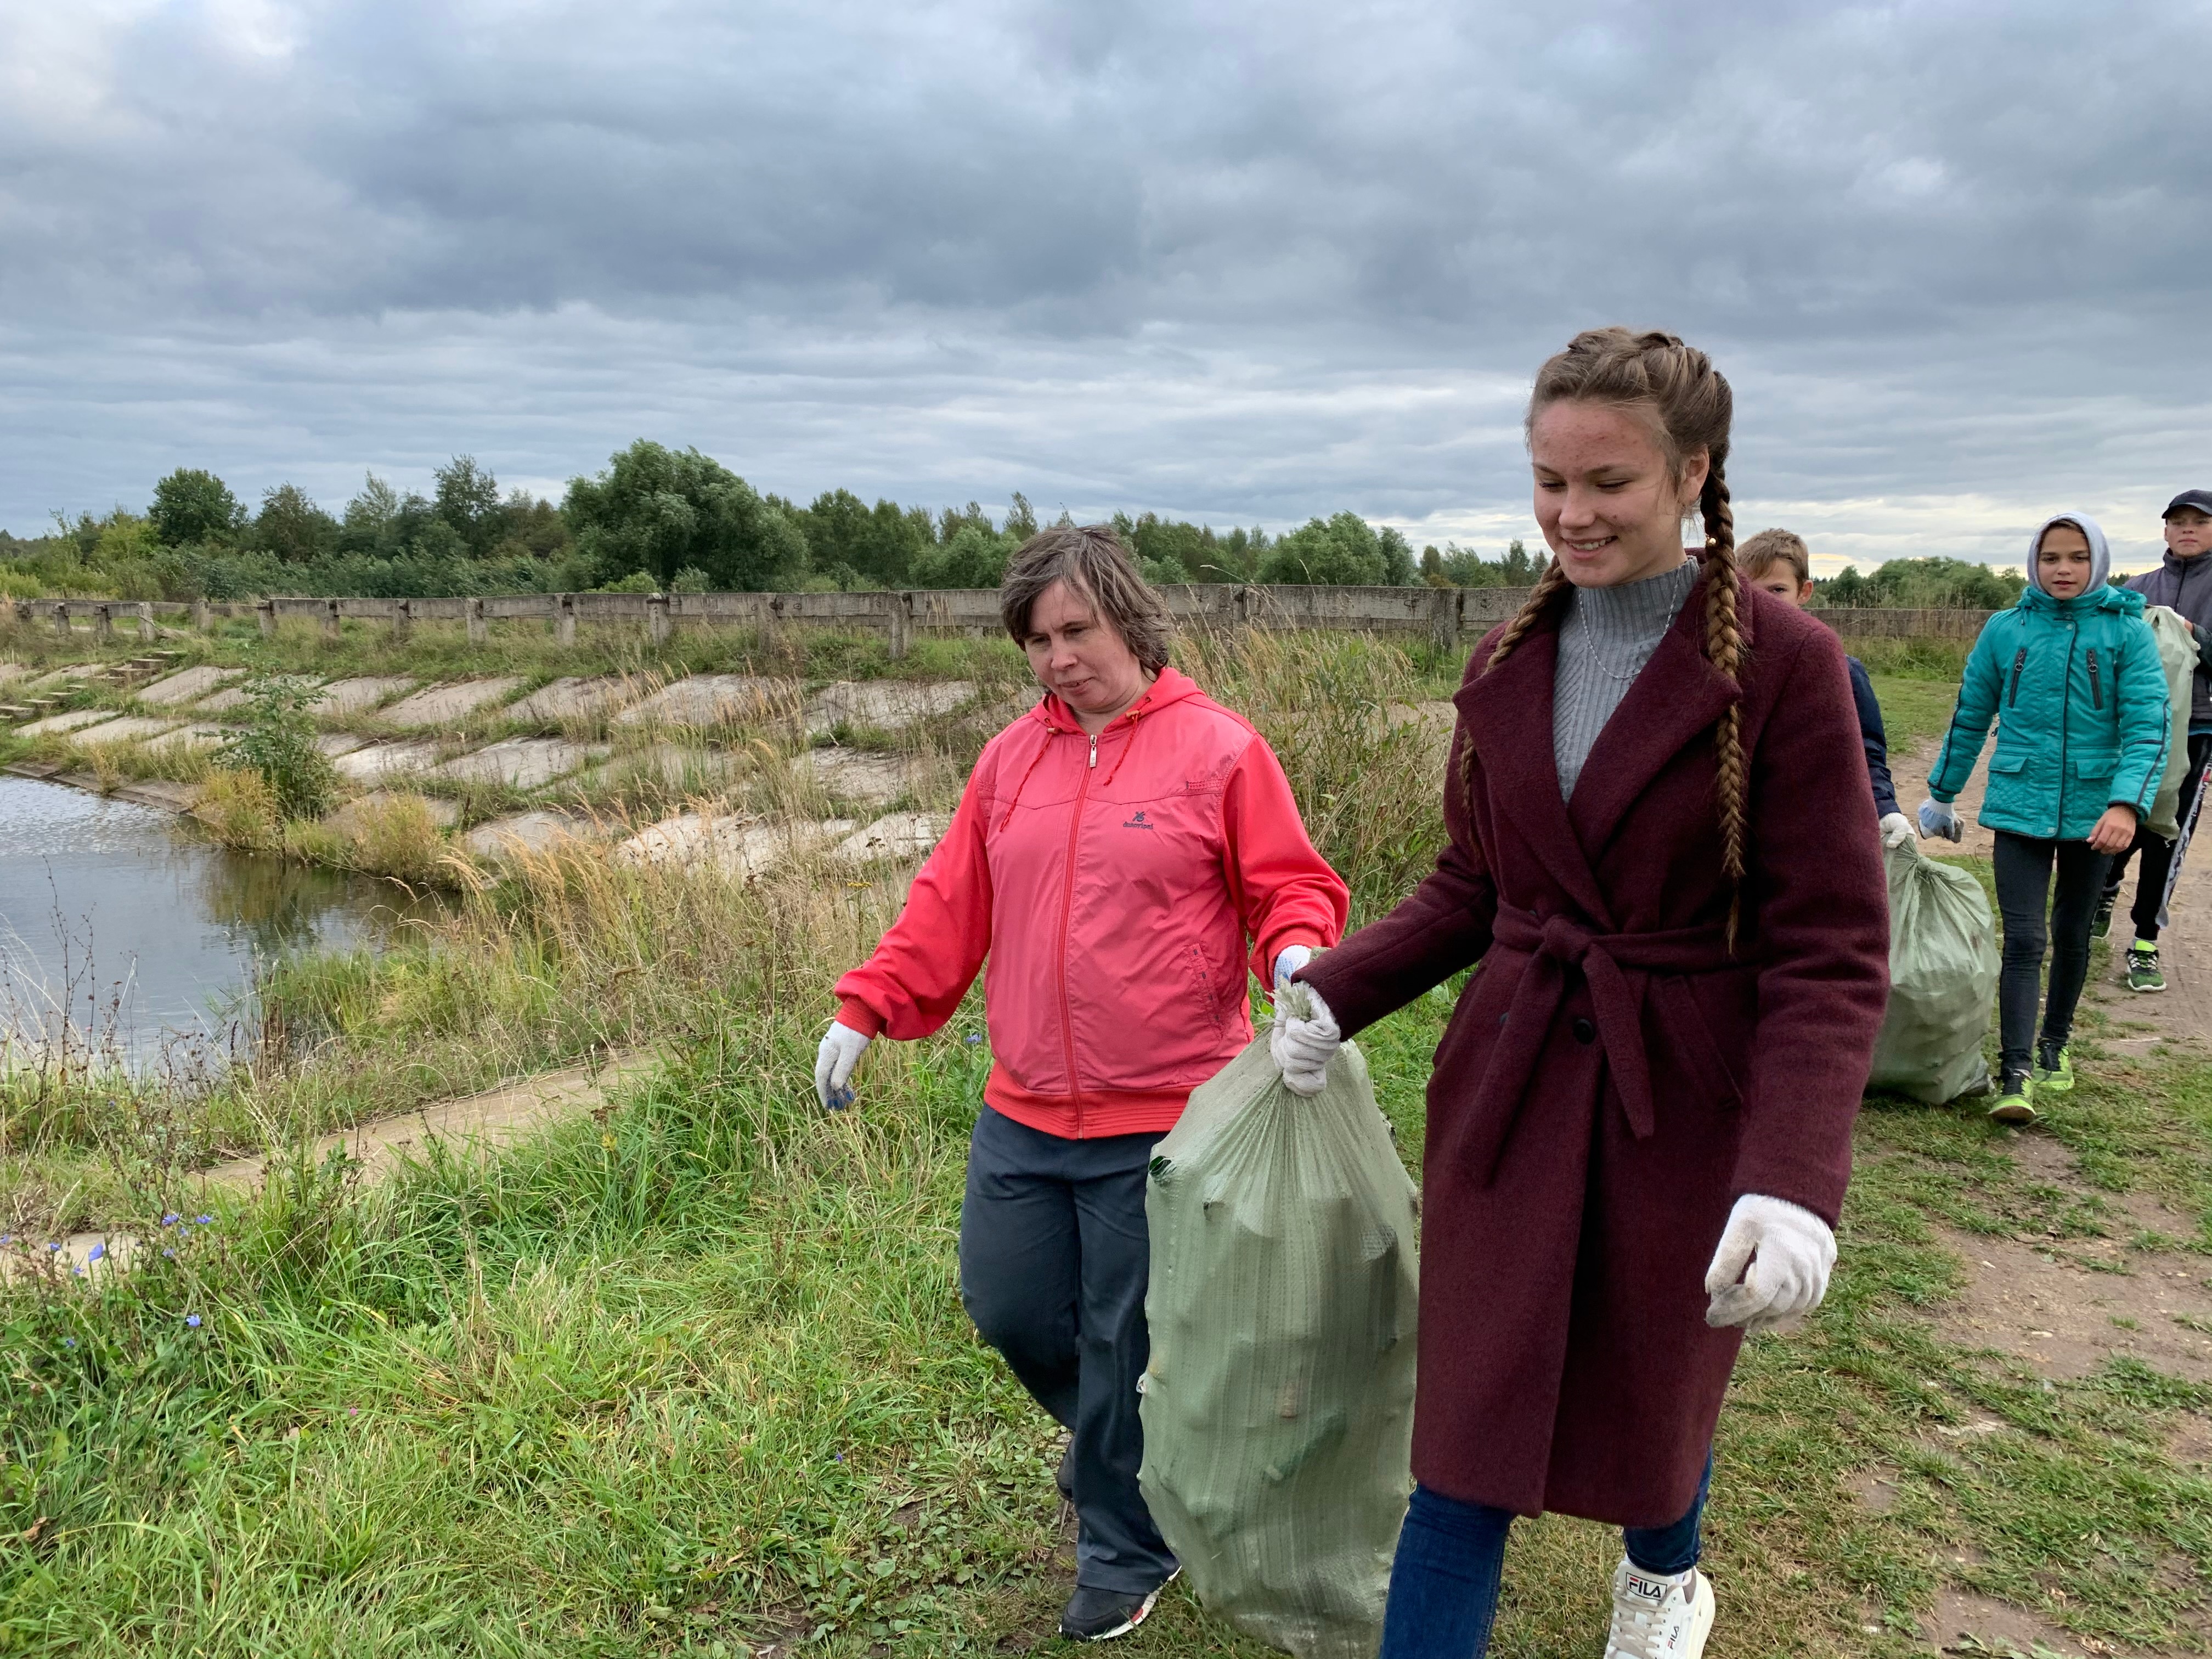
[1777,561]
[2182,583]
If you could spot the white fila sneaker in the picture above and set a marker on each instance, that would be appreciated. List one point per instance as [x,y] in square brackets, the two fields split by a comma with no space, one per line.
[1657,1617]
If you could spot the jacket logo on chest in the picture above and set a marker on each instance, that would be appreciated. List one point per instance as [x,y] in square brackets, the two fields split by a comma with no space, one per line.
[1138,822]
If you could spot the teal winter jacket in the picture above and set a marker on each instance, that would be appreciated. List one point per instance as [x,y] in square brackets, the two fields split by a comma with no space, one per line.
[2080,701]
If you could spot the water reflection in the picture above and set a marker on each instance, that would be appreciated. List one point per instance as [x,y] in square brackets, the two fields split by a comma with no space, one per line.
[111,919]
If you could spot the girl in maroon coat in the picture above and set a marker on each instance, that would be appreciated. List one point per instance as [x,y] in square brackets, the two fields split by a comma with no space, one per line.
[1663,855]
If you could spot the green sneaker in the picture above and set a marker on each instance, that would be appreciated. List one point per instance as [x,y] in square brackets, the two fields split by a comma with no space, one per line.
[2014,1096]
[2102,923]
[2054,1067]
[2142,969]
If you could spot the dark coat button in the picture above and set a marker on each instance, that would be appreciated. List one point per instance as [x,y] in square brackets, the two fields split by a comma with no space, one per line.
[1584,1031]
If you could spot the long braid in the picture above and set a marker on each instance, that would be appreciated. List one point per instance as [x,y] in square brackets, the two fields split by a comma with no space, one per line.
[1724,650]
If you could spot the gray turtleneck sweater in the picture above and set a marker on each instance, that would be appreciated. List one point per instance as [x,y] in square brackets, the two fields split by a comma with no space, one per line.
[1606,637]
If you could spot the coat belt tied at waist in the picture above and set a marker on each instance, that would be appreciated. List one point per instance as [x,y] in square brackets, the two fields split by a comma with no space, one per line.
[1617,967]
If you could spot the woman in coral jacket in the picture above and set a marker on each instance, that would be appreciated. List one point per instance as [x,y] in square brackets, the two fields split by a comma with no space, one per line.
[1118,851]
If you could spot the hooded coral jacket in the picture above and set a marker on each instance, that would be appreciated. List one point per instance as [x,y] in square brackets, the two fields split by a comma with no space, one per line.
[1112,883]
[2079,697]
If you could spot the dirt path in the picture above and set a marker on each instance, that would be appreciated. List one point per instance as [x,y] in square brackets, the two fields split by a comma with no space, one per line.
[468,1126]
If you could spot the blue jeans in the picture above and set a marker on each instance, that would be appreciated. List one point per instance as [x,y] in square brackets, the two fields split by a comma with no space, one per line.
[1443,1583]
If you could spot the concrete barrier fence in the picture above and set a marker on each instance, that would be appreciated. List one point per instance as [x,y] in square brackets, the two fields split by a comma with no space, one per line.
[1449,617]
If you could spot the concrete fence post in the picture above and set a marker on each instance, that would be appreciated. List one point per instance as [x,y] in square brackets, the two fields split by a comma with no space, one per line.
[202,619]
[657,620]
[24,610]
[899,624]
[564,618]
[1443,619]
[62,618]
[265,612]
[103,621]
[146,629]
[331,620]
[476,620]
[403,618]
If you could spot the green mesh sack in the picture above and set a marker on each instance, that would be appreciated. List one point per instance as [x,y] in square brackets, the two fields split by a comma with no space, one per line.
[2177,655]
[1279,1402]
[1942,976]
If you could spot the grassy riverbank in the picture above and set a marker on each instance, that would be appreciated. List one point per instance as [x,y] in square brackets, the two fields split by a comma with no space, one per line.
[691,1375]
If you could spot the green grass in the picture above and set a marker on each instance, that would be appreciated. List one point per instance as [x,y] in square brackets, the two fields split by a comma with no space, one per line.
[1914,709]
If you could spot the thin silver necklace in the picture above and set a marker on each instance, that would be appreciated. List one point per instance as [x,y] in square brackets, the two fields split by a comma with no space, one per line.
[1584,643]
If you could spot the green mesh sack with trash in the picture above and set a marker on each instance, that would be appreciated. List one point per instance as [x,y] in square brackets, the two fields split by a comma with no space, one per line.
[1279,1402]
[1942,977]
[2177,656]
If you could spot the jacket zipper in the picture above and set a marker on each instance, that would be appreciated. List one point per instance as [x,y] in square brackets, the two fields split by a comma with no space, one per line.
[2096,691]
[2065,703]
[2019,662]
[1067,919]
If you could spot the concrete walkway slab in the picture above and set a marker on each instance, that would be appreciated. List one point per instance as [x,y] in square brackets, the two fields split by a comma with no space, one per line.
[451,703]
[576,698]
[518,762]
[706,701]
[354,697]
[74,720]
[386,760]
[188,685]
[898,836]
[884,705]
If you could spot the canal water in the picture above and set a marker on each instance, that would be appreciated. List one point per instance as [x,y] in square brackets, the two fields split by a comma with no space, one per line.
[113,918]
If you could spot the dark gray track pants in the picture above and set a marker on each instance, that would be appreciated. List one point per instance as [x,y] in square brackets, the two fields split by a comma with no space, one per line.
[1054,1260]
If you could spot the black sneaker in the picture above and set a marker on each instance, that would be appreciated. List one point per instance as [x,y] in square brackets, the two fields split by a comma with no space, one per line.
[1100,1615]
[2101,924]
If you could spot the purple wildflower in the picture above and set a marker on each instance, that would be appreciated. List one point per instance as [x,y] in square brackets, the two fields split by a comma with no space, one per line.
[193,1321]
[95,1253]
[204,1220]
[171,1219]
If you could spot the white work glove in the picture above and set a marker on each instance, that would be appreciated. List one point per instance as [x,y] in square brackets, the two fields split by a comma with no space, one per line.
[1896,830]
[1305,1034]
[840,1051]
[1773,1265]
[1289,961]
[1936,819]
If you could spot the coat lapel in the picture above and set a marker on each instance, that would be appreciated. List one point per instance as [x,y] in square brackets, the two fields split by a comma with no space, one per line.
[1678,696]
[1508,712]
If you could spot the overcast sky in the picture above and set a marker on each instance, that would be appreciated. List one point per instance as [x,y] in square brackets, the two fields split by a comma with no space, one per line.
[1241,263]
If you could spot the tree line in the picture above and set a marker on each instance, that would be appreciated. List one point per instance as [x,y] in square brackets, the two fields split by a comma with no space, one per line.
[654,520]
[661,520]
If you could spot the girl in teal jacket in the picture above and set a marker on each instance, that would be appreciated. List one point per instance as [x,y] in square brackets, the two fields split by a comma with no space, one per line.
[2071,677]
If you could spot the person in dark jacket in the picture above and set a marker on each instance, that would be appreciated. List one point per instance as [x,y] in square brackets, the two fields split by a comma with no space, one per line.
[1661,847]
[1777,561]
[2182,583]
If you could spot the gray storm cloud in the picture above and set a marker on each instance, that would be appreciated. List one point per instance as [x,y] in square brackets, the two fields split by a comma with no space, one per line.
[1245,263]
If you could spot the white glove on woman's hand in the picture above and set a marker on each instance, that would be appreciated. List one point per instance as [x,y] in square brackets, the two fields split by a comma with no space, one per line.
[1936,819]
[1772,1266]
[1302,1042]
[1896,830]
[1288,961]
[840,1051]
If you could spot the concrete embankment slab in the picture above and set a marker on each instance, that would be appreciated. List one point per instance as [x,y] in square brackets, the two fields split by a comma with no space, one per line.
[356,815]
[671,766]
[334,744]
[576,698]
[132,728]
[187,685]
[343,697]
[448,704]
[385,760]
[898,836]
[518,762]
[867,777]
[529,832]
[706,701]
[737,844]
[885,705]
[192,737]
[71,720]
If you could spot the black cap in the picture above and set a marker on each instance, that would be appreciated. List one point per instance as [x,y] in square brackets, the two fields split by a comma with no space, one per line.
[2199,499]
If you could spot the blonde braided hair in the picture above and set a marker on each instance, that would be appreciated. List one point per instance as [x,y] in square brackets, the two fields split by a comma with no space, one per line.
[1689,407]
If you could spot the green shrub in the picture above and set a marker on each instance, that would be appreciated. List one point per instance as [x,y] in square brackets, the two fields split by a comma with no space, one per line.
[278,743]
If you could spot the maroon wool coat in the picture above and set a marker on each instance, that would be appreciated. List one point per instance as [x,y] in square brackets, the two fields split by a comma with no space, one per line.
[1612,1079]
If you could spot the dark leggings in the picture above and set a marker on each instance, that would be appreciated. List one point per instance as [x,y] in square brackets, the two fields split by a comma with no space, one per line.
[1443,1582]
[2161,859]
[2024,892]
